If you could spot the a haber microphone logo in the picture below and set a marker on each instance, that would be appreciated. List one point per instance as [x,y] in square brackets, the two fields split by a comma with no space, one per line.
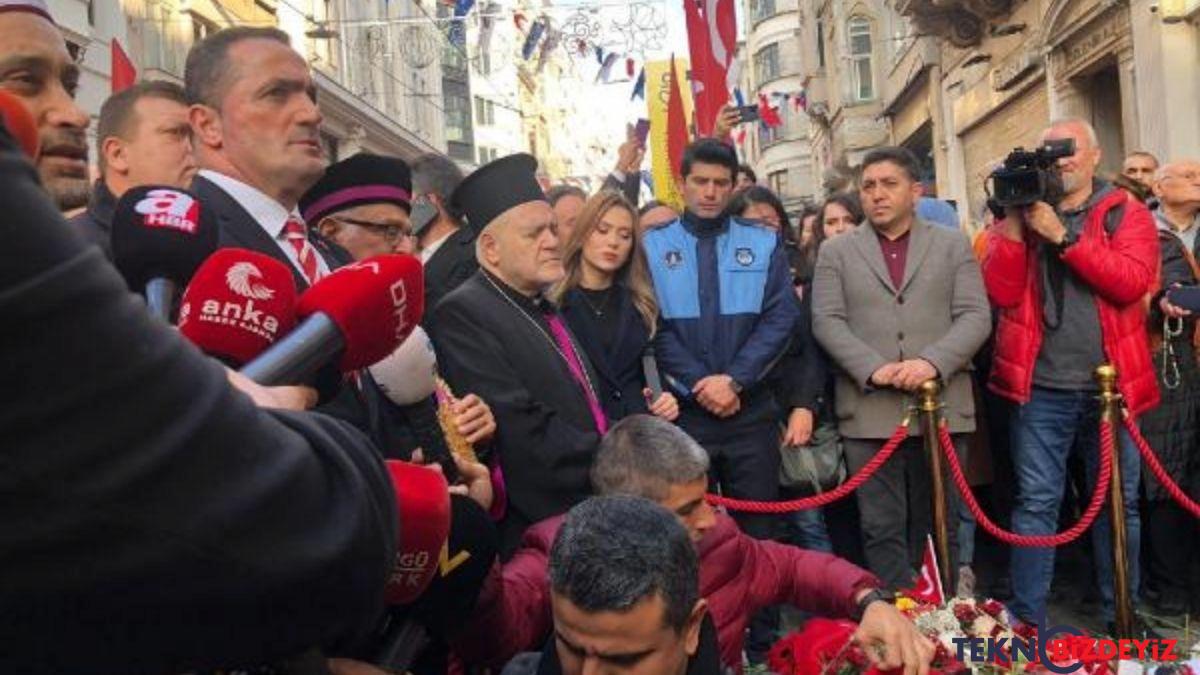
[170,209]
[241,279]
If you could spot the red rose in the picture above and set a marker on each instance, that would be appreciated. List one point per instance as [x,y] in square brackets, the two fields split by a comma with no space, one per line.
[992,608]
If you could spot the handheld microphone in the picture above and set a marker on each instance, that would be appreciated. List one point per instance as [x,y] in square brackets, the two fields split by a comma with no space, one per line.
[238,304]
[423,510]
[408,375]
[160,235]
[362,311]
[15,117]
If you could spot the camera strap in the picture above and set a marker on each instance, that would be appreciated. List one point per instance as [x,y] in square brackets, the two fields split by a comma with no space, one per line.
[1056,270]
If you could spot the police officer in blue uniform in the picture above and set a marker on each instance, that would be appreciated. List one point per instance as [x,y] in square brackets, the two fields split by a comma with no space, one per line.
[728,309]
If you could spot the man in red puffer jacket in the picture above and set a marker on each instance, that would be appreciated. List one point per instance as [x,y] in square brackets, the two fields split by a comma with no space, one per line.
[648,457]
[1070,284]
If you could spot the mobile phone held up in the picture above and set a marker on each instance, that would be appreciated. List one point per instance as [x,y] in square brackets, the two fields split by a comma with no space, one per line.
[747,113]
[642,131]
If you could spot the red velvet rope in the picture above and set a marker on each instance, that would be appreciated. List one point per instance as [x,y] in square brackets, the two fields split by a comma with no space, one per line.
[824,498]
[1158,470]
[1013,539]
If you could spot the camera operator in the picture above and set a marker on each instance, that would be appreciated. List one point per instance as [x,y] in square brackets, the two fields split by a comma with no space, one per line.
[1069,281]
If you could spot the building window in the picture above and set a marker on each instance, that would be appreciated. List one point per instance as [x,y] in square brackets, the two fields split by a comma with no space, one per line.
[487,154]
[862,78]
[761,9]
[766,64]
[458,118]
[767,135]
[777,181]
[820,43]
[483,63]
[485,112]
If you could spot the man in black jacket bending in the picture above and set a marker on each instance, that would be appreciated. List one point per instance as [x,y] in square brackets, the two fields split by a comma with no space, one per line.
[153,518]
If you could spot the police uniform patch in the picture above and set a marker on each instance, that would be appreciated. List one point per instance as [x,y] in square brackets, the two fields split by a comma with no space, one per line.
[744,256]
[673,259]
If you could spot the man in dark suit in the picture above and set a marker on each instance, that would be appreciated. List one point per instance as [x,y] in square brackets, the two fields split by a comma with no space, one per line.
[256,131]
[446,247]
[497,334]
[143,138]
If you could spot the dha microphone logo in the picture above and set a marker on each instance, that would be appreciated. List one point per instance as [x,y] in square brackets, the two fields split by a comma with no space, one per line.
[170,209]
[241,279]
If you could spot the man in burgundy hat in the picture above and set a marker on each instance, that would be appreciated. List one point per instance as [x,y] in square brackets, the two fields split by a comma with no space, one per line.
[37,68]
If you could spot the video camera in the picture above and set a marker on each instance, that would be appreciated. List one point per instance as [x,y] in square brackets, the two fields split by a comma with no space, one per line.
[1030,176]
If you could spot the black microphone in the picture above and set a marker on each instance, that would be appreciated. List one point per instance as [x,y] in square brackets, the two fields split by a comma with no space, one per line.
[160,236]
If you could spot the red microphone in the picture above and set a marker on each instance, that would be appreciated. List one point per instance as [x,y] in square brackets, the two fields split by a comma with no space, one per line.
[423,510]
[15,117]
[362,312]
[239,303]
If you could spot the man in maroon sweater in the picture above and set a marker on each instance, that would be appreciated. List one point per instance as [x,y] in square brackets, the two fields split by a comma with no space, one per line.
[651,458]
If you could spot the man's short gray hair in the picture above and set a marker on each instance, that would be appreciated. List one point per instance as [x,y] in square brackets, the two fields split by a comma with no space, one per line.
[644,455]
[1087,127]
[434,174]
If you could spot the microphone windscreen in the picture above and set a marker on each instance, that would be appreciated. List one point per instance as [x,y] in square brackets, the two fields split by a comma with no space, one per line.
[376,303]
[16,118]
[408,375]
[161,232]
[238,303]
[423,510]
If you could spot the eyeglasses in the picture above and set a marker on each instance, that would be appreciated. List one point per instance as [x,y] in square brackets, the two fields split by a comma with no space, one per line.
[391,232]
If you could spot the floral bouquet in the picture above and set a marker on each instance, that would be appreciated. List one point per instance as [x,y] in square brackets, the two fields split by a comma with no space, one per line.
[826,647]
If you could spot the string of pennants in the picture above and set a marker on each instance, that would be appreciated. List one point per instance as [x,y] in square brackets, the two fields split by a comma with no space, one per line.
[541,38]
[772,108]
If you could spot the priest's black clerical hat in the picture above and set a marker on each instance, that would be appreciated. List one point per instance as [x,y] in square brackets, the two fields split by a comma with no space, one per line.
[497,187]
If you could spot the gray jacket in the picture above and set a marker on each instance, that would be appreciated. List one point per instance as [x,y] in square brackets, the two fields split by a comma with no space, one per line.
[939,314]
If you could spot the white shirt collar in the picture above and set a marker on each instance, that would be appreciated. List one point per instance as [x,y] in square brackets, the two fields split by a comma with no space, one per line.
[428,251]
[268,213]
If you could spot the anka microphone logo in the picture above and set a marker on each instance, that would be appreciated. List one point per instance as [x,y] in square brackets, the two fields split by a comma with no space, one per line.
[170,209]
[241,279]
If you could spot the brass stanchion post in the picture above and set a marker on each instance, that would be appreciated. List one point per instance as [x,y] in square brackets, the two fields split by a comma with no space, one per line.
[1110,412]
[930,408]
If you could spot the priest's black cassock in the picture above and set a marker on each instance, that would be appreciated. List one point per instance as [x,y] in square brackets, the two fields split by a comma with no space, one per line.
[495,341]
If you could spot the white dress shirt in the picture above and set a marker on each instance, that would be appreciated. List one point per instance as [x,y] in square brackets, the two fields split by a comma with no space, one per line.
[428,251]
[268,213]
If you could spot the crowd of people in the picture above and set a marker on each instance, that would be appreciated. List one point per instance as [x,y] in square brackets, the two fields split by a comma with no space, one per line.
[606,362]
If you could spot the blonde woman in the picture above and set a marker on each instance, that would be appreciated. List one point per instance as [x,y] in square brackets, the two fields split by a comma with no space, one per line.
[607,299]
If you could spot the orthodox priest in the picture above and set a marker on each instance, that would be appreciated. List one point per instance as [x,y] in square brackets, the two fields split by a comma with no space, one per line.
[497,335]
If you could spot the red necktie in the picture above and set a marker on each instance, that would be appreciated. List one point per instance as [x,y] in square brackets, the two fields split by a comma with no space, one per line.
[297,235]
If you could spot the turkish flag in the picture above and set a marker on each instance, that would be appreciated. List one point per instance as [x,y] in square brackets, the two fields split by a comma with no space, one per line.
[929,586]
[770,116]
[123,72]
[677,124]
[712,43]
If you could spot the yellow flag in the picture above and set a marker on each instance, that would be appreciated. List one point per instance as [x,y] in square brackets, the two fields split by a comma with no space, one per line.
[658,81]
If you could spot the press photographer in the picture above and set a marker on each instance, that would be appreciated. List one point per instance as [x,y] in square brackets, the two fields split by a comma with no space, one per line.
[1069,282]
